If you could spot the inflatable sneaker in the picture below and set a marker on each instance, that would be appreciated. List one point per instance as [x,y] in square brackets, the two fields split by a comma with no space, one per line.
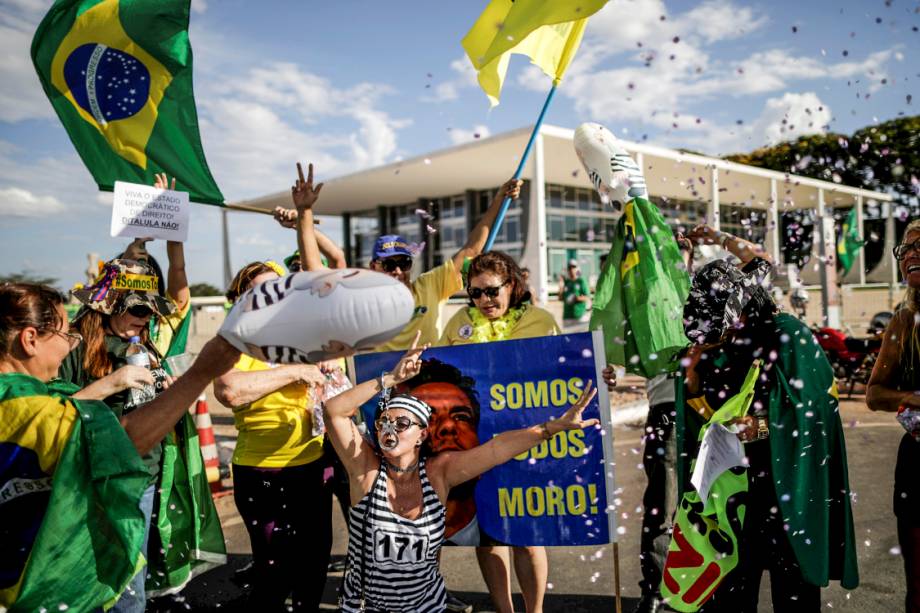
[615,175]
[319,315]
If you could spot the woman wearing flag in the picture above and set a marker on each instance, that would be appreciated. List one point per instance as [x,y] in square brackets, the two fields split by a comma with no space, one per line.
[789,512]
[895,386]
[397,519]
[77,546]
[122,303]
[500,309]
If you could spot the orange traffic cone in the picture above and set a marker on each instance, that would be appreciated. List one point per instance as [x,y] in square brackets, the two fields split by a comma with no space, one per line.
[207,442]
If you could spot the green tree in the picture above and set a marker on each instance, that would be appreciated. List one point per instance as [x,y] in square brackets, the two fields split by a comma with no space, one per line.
[27,277]
[204,289]
[884,157]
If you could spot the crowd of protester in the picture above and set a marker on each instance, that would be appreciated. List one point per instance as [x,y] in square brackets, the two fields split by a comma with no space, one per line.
[299,441]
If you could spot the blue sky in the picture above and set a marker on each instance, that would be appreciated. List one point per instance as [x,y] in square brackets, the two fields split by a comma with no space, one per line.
[356,83]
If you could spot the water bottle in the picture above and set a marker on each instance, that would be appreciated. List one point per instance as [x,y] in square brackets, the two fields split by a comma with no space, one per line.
[136,355]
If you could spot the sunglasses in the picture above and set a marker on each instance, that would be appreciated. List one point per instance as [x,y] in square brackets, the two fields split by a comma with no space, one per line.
[139,310]
[477,292]
[400,424]
[72,338]
[901,251]
[403,263]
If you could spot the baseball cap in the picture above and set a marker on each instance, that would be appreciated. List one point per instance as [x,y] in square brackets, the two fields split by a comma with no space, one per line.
[573,263]
[389,245]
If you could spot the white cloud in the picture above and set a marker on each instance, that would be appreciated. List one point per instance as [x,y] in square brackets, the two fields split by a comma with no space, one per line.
[458,136]
[256,126]
[781,119]
[199,6]
[465,76]
[17,202]
[717,20]
[640,65]
[21,95]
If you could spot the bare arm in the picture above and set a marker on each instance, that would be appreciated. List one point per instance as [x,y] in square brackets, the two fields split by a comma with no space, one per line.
[460,466]
[176,279]
[882,393]
[148,425]
[334,254]
[238,388]
[742,249]
[127,376]
[305,196]
[355,453]
[477,238]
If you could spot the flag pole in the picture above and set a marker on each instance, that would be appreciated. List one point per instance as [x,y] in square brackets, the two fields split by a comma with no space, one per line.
[517,174]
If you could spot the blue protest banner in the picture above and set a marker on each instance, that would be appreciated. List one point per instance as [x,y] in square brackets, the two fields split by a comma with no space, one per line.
[556,494]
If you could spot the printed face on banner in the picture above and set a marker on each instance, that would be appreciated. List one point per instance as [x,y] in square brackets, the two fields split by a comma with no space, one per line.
[555,493]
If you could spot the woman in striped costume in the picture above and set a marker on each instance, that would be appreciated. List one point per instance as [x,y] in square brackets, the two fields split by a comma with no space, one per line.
[397,496]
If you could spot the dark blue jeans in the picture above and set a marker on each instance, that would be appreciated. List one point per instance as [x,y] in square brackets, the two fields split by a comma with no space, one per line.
[134,598]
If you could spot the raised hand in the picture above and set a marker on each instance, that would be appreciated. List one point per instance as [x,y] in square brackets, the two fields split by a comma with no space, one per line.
[511,188]
[162,181]
[303,193]
[703,235]
[571,419]
[287,218]
[411,363]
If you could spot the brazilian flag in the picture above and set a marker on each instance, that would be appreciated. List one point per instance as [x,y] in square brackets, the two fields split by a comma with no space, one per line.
[185,534]
[119,75]
[76,544]
[640,294]
[849,242]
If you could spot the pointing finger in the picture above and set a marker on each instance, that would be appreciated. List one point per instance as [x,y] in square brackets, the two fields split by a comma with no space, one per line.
[300,172]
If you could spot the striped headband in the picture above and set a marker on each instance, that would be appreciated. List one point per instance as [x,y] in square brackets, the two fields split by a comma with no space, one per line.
[420,409]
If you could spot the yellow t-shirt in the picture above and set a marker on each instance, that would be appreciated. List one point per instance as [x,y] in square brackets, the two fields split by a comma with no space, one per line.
[534,322]
[430,290]
[276,430]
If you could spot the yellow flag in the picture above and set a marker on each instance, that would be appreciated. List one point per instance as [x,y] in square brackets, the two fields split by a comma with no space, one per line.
[547,31]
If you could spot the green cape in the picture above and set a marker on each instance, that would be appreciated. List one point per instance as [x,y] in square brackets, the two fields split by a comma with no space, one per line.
[809,456]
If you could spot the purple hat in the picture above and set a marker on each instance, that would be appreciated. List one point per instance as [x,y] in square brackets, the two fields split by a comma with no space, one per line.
[389,245]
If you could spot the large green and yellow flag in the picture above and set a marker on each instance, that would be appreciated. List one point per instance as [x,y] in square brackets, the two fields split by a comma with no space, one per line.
[849,243]
[640,293]
[185,536]
[119,75]
[71,527]
[547,32]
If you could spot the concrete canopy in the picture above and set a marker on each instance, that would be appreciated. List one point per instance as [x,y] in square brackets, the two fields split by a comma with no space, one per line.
[488,162]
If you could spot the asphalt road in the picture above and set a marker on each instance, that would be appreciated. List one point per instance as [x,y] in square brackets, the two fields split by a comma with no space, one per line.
[582,579]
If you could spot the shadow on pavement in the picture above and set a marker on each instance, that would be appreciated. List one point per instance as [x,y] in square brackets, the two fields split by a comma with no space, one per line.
[222,589]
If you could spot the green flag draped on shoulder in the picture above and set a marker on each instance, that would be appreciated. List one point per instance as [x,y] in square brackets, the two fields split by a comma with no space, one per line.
[640,294]
[849,243]
[119,75]
[185,536]
[547,32]
[90,528]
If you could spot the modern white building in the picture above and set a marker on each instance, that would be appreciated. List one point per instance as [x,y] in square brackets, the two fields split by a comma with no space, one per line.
[559,215]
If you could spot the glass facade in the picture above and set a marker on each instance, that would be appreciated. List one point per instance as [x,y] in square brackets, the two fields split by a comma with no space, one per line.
[578,226]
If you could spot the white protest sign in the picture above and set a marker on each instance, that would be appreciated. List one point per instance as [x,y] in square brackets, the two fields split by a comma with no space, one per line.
[142,210]
[720,451]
